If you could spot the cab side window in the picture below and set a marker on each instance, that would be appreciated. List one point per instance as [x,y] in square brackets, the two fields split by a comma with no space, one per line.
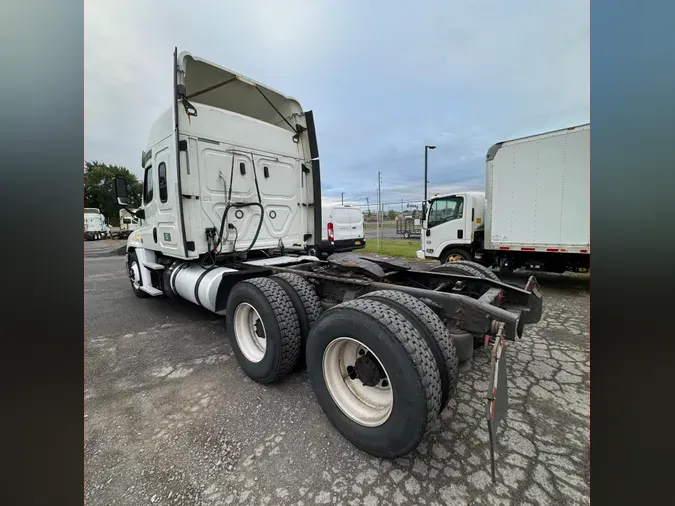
[163,192]
[148,186]
[447,209]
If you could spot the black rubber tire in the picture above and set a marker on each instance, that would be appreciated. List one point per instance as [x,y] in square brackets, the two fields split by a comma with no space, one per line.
[459,267]
[281,326]
[455,251]
[305,301]
[462,269]
[434,332]
[137,292]
[410,363]
[485,271]
[313,251]
[406,235]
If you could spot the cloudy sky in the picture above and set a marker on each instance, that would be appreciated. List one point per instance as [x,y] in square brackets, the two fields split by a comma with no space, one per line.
[383,78]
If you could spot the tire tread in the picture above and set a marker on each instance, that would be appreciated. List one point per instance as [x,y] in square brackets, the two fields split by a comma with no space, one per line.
[287,321]
[412,307]
[310,300]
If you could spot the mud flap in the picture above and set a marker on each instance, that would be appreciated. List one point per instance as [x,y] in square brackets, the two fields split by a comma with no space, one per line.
[497,396]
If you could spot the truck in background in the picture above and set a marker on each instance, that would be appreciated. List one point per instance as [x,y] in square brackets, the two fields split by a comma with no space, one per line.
[96,225]
[534,214]
[128,223]
[231,203]
[341,231]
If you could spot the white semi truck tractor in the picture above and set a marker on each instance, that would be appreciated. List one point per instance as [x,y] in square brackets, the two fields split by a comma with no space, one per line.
[232,202]
[534,213]
[96,226]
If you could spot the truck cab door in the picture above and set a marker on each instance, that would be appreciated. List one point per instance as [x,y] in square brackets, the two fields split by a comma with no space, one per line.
[161,229]
[445,224]
[148,232]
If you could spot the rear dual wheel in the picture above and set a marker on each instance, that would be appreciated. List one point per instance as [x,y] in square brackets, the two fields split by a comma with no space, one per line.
[382,366]
[375,375]
[268,320]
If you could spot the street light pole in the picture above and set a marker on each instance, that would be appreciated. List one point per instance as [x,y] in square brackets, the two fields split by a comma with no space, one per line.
[426,158]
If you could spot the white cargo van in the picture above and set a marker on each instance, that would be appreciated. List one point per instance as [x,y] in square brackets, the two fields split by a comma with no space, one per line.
[342,230]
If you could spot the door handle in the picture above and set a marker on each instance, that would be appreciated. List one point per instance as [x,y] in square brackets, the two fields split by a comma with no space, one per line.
[460,234]
[154,234]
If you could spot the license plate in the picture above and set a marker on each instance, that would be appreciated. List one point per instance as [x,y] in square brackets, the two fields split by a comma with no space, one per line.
[357,243]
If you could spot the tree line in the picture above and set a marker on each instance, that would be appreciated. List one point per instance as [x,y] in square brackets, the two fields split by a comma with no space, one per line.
[98,181]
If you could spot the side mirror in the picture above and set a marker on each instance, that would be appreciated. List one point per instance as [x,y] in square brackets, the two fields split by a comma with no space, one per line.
[120,191]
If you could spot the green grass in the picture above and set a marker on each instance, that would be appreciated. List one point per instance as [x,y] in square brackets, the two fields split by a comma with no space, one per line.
[373,226]
[393,247]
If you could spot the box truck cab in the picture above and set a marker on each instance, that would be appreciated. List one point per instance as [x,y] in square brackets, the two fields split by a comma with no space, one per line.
[449,230]
[342,230]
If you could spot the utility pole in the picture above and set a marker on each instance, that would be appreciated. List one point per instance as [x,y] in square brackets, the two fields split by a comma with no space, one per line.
[379,206]
[343,198]
[401,205]
[368,204]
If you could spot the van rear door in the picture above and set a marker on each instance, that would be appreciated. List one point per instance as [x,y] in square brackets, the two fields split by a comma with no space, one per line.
[343,226]
[356,223]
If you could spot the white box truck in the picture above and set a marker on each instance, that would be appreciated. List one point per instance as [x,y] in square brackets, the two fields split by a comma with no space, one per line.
[341,231]
[534,214]
[231,202]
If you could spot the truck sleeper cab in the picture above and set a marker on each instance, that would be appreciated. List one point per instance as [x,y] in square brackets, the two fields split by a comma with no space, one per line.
[231,202]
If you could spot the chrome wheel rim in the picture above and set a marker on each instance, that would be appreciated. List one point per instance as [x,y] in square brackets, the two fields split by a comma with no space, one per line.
[249,332]
[368,405]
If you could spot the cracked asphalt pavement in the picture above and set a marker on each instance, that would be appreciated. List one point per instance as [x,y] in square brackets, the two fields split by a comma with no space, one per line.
[170,419]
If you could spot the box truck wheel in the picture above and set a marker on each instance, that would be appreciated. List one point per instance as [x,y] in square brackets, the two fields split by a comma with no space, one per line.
[454,254]
[313,251]
[134,271]
[486,271]
[263,329]
[432,329]
[374,376]
[305,301]
[463,269]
